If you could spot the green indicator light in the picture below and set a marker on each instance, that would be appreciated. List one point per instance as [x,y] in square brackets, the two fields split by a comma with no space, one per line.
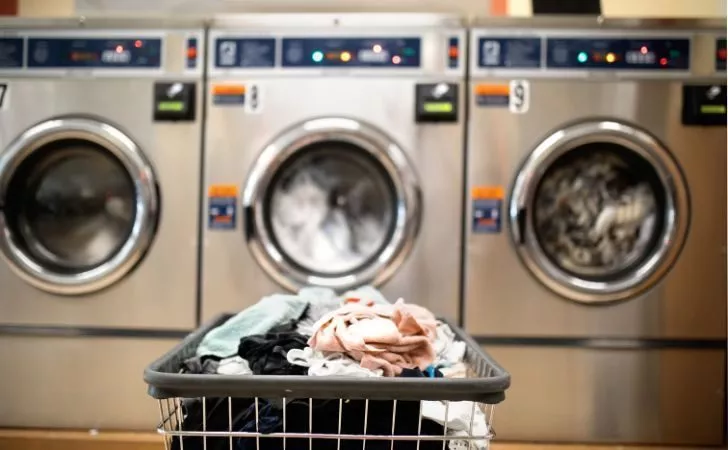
[582,57]
[674,53]
[438,107]
[317,56]
[713,109]
[408,51]
[170,106]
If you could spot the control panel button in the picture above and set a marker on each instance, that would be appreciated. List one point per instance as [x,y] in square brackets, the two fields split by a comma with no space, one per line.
[720,54]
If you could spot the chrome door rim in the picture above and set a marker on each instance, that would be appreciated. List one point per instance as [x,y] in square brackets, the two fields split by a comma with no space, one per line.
[676,214]
[388,153]
[138,168]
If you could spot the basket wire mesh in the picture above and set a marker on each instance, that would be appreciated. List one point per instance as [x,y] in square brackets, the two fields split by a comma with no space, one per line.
[271,412]
[172,414]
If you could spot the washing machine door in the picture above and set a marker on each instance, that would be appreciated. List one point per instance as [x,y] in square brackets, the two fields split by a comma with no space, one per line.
[78,205]
[332,202]
[599,211]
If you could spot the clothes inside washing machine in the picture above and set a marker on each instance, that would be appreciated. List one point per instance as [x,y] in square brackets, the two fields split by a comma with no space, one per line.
[331,208]
[598,211]
[72,205]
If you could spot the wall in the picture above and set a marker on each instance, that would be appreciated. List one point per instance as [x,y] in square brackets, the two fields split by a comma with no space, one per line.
[610,8]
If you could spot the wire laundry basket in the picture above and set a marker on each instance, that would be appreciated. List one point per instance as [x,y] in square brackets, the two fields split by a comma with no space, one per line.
[318,412]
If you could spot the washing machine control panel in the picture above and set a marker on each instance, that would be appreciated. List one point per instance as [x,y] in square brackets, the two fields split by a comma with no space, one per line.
[389,52]
[618,54]
[94,52]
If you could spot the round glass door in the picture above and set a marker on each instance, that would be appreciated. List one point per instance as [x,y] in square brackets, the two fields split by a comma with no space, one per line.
[78,205]
[599,212]
[337,205]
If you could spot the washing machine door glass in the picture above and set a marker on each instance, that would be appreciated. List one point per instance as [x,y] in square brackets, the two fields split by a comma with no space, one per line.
[332,208]
[600,211]
[332,202]
[71,205]
[74,206]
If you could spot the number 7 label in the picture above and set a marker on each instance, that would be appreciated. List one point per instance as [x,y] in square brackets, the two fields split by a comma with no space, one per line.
[3,94]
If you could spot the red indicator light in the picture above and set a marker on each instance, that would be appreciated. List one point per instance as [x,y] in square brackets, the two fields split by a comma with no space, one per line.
[137,44]
[119,49]
[722,54]
[396,59]
[453,52]
[643,50]
[663,61]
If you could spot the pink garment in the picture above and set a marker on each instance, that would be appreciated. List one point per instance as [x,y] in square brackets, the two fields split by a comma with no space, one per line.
[387,337]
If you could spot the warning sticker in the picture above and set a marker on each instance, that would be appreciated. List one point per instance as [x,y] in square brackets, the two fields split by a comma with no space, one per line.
[222,200]
[228,94]
[492,95]
[487,206]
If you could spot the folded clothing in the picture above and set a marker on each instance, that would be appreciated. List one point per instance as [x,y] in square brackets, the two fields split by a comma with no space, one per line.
[386,337]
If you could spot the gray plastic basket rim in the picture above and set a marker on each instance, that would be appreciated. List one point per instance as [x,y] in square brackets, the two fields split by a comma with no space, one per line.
[165,382]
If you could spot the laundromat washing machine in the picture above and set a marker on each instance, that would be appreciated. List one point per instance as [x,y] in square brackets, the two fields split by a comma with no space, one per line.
[100,153]
[595,254]
[334,157]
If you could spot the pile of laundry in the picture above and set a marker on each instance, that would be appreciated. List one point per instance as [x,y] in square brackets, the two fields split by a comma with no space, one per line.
[316,333]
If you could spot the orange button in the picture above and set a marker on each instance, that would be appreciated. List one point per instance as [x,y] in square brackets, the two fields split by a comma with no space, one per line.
[191,53]
[453,52]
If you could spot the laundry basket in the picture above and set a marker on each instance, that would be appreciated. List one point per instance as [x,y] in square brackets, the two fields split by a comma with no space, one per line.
[318,412]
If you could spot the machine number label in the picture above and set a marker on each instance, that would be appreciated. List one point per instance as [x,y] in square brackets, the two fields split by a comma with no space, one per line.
[519,99]
[254,99]
[3,95]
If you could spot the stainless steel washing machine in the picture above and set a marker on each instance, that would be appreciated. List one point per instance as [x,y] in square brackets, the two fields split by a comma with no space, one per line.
[595,242]
[100,156]
[333,157]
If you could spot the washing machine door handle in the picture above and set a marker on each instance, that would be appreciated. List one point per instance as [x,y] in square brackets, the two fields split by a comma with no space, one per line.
[249,223]
[521,226]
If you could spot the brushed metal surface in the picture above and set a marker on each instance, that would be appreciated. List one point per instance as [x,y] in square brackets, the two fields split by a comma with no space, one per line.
[160,291]
[382,98]
[502,298]
[615,396]
[232,280]
[82,383]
